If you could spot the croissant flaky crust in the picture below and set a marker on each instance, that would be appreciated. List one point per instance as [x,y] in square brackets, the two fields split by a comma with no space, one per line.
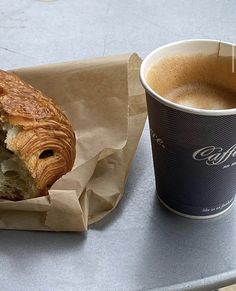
[37,142]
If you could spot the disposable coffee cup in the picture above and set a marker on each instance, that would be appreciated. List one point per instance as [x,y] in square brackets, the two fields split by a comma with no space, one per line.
[194,150]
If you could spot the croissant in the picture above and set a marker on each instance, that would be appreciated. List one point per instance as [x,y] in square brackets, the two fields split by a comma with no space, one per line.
[37,142]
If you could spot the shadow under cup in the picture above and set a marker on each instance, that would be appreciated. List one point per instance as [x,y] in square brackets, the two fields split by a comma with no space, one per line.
[194,150]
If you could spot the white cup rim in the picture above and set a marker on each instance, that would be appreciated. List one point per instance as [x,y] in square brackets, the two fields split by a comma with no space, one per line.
[171,104]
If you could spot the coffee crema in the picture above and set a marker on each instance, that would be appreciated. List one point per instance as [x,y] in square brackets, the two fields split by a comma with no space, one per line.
[196,81]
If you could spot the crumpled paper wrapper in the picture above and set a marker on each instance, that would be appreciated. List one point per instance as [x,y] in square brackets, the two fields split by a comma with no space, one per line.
[105,103]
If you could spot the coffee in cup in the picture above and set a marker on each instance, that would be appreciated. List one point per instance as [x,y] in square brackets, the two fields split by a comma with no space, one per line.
[191,99]
[195,81]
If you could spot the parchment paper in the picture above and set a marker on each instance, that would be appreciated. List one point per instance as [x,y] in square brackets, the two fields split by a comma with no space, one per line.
[106,105]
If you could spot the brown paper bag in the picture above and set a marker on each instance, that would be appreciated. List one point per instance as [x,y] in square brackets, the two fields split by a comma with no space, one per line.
[105,103]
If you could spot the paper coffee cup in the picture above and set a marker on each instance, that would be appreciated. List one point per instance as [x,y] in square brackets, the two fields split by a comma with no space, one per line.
[194,150]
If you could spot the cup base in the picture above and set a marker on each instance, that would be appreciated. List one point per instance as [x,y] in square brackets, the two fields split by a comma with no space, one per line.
[194,216]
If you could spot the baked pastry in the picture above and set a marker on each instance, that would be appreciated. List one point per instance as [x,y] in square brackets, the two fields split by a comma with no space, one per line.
[37,142]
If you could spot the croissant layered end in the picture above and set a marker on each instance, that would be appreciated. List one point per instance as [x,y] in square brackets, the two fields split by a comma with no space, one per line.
[37,143]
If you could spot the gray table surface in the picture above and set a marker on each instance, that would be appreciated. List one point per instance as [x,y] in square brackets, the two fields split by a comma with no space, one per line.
[140,245]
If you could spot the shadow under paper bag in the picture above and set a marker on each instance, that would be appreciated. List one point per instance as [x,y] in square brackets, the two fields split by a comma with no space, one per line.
[105,103]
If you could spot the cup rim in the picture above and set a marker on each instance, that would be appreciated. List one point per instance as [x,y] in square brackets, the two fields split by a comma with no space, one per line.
[161,99]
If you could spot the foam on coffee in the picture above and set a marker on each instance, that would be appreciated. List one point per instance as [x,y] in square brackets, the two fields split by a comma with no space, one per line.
[197,81]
